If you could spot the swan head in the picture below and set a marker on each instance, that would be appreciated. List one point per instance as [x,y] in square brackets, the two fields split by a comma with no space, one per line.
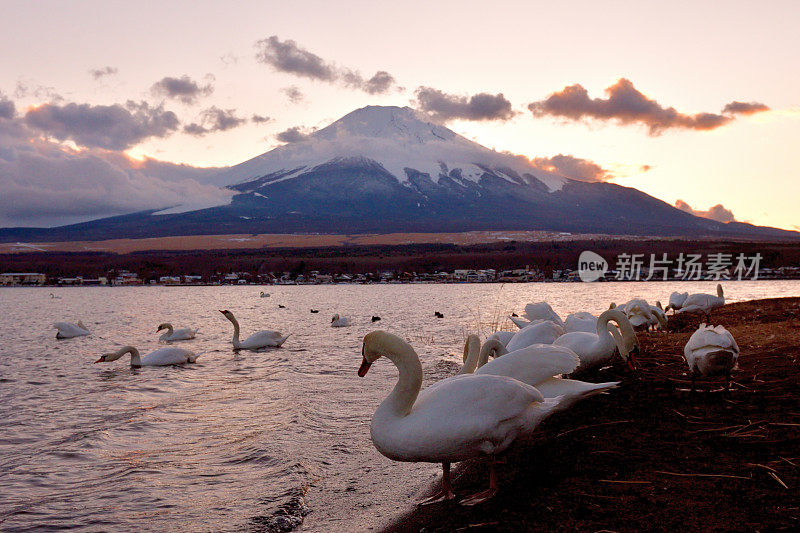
[113,356]
[334,318]
[377,344]
[227,314]
[163,326]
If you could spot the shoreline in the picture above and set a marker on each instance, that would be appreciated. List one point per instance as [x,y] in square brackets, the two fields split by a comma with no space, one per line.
[652,455]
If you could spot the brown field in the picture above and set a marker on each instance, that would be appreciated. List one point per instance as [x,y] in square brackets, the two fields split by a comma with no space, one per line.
[245,241]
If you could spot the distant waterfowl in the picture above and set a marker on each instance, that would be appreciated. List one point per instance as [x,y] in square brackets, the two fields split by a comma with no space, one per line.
[264,294]
[256,341]
[180,334]
[703,303]
[514,315]
[161,357]
[597,349]
[315,310]
[281,306]
[67,330]
[409,425]
[54,297]
[711,351]
[375,318]
[676,300]
[542,333]
[339,322]
[437,314]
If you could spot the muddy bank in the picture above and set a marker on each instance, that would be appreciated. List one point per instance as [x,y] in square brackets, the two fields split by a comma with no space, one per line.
[652,455]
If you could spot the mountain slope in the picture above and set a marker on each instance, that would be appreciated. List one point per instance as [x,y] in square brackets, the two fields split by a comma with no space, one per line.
[384,169]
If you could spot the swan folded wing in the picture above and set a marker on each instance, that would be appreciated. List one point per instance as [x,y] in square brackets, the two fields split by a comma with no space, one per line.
[542,333]
[464,417]
[166,356]
[533,364]
[572,391]
[543,311]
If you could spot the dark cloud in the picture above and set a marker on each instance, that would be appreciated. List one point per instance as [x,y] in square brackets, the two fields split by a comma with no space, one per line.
[114,127]
[7,107]
[184,89]
[46,183]
[287,56]
[40,92]
[572,167]
[294,134]
[102,72]
[626,105]
[293,93]
[444,107]
[213,120]
[744,108]
[718,212]
[260,119]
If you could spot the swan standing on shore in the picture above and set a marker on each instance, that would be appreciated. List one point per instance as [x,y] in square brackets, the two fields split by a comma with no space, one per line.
[676,300]
[701,303]
[256,341]
[460,418]
[339,322]
[181,334]
[711,351]
[540,366]
[542,333]
[67,330]
[160,357]
[595,350]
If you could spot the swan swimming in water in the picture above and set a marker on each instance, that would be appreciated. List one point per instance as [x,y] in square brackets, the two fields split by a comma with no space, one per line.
[409,425]
[339,322]
[711,351]
[264,294]
[256,341]
[181,334]
[161,357]
[67,330]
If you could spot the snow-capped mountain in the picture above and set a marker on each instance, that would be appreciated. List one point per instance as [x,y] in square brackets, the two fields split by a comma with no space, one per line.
[387,169]
[399,140]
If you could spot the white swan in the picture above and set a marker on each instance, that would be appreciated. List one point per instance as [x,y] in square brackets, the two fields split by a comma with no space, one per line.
[181,334]
[542,333]
[539,366]
[542,311]
[460,418]
[264,294]
[519,322]
[676,300]
[160,357]
[711,351]
[502,336]
[67,330]
[580,321]
[256,341]
[701,303]
[597,349]
[339,322]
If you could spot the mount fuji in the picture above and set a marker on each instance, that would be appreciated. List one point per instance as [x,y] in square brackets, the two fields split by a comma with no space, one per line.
[387,169]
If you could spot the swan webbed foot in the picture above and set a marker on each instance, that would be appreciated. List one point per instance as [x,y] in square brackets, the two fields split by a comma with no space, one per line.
[479,497]
[441,495]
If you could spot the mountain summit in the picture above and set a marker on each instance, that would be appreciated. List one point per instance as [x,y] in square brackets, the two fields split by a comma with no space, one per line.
[388,169]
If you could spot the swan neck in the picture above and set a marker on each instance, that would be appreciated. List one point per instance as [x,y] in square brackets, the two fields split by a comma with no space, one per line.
[409,382]
[235,323]
[493,348]
[136,360]
[472,353]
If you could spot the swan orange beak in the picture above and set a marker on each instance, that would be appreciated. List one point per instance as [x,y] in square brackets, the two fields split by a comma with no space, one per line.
[101,360]
[633,364]
[364,368]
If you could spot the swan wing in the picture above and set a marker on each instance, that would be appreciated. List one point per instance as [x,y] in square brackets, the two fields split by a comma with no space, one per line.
[167,356]
[533,364]
[501,336]
[542,333]
[572,391]
[462,417]
[542,310]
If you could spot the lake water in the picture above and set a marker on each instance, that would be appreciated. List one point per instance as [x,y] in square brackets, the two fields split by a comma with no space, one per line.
[239,441]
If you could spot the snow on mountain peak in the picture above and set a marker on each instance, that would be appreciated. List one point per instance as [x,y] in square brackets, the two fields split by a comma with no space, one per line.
[397,138]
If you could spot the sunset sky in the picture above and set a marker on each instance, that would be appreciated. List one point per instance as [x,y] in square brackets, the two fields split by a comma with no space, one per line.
[690,101]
